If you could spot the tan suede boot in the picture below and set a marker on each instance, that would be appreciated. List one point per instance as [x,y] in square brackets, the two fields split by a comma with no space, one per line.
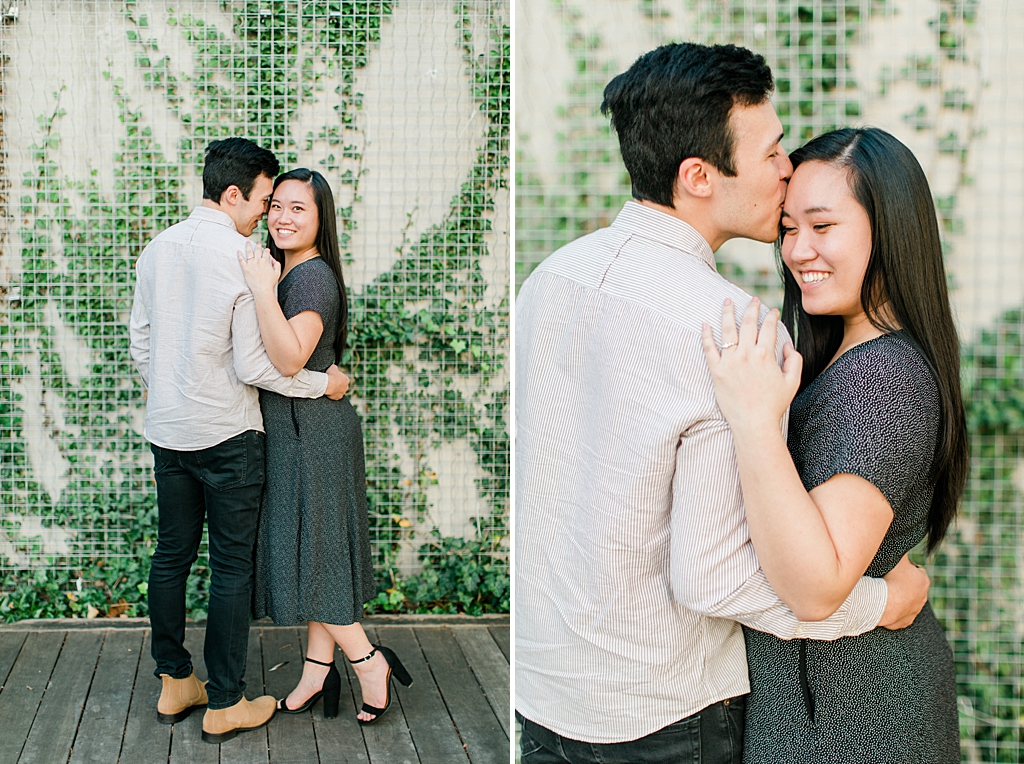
[179,697]
[224,723]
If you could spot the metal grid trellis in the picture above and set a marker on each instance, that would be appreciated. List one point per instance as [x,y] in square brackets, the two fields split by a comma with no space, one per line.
[106,109]
[946,77]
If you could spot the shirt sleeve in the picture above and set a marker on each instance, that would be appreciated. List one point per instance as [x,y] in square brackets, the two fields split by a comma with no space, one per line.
[878,421]
[315,290]
[714,568]
[252,364]
[138,330]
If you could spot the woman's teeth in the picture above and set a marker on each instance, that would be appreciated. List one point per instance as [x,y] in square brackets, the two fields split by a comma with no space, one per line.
[812,276]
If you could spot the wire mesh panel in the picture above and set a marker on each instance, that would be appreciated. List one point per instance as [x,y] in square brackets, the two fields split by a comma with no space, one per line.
[947,78]
[107,108]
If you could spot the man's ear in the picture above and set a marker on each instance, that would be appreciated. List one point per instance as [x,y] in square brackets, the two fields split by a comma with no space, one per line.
[693,178]
[231,195]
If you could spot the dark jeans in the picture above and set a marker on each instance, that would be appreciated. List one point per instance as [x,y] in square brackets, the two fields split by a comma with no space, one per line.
[221,484]
[714,735]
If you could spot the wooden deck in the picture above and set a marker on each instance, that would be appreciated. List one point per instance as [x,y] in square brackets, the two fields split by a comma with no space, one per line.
[84,691]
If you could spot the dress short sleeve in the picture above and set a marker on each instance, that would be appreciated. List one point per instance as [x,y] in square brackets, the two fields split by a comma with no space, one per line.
[311,286]
[874,413]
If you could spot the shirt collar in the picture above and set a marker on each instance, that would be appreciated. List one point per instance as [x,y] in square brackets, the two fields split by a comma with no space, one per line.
[672,232]
[210,215]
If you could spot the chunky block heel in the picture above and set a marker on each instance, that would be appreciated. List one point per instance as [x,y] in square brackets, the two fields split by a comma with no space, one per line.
[395,668]
[330,691]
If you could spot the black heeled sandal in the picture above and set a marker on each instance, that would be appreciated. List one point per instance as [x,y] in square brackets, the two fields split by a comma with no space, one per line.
[330,691]
[395,668]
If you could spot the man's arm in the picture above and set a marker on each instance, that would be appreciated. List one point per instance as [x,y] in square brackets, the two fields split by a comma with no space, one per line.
[138,329]
[253,366]
[715,571]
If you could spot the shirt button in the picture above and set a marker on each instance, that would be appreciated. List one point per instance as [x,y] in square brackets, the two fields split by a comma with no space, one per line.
[799,628]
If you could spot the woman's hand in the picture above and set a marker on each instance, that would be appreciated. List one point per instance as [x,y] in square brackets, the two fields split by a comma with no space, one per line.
[751,389]
[908,594]
[261,270]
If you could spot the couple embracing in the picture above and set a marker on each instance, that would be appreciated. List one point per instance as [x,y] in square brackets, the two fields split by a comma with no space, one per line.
[279,467]
[712,524]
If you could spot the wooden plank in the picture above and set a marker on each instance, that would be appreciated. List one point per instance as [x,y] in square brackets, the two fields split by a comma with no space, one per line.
[75,624]
[101,728]
[146,741]
[187,745]
[252,747]
[370,621]
[56,722]
[501,636]
[340,740]
[490,667]
[24,688]
[292,738]
[10,646]
[388,740]
[482,734]
[430,724]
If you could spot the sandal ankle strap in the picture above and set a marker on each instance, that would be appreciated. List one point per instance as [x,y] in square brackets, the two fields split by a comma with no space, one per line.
[319,663]
[373,652]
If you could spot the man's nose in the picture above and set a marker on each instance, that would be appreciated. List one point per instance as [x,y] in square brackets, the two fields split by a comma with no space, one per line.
[785,167]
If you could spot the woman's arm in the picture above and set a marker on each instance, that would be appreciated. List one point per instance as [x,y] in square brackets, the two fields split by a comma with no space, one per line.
[289,342]
[813,547]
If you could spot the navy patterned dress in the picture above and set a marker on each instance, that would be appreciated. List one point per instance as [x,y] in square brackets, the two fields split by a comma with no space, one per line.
[313,548]
[884,697]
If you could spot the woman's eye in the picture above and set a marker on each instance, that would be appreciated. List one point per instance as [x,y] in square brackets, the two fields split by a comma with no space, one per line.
[787,231]
[822,226]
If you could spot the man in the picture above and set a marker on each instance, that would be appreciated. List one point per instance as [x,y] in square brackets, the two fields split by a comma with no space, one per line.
[196,341]
[634,567]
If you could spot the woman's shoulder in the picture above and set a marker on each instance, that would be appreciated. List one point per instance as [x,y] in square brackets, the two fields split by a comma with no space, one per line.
[313,276]
[889,371]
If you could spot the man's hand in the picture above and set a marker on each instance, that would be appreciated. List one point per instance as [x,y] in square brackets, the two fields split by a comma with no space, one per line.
[337,386]
[908,593]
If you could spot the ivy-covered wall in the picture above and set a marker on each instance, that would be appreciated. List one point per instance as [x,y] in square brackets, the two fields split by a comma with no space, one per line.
[107,107]
[947,78]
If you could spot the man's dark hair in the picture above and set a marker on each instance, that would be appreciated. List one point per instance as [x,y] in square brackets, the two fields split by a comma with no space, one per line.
[235,162]
[674,103]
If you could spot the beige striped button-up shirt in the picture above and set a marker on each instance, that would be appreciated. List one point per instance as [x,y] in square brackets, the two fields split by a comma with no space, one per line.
[634,567]
[196,340]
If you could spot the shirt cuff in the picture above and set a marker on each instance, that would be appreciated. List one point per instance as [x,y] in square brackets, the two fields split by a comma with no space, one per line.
[319,386]
[866,604]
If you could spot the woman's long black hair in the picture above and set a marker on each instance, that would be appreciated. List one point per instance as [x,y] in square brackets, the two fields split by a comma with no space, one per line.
[904,288]
[326,241]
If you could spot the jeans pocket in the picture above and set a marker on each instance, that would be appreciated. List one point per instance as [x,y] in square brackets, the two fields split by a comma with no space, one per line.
[227,464]
[161,459]
[736,719]
[528,745]
[678,742]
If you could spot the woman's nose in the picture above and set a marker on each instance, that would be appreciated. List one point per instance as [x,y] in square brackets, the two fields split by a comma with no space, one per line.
[801,249]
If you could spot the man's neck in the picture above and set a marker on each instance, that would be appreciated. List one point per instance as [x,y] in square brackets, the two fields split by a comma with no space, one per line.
[693,218]
[212,205]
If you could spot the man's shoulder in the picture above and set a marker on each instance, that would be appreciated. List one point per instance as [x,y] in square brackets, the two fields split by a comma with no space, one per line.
[585,260]
[199,233]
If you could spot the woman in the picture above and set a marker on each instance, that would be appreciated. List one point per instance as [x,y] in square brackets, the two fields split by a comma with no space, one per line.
[879,454]
[313,551]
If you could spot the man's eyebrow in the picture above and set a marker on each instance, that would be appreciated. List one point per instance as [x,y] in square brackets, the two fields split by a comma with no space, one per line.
[777,141]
